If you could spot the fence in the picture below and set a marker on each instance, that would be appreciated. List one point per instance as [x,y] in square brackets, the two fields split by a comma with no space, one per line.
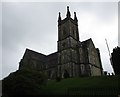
[110,92]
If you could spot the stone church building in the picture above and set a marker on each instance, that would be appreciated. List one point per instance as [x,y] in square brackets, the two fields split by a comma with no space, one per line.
[73,57]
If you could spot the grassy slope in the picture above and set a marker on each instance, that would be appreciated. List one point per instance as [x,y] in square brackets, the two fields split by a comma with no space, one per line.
[84,82]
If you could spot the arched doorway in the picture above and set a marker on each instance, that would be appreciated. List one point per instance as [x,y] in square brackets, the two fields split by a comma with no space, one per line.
[66,74]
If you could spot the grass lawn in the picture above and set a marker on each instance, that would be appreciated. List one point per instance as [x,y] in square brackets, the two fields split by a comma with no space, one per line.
[104,85]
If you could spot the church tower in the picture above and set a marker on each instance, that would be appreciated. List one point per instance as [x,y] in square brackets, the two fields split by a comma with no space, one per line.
[68,40]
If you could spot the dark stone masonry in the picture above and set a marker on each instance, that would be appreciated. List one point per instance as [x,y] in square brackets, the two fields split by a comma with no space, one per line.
[73,58]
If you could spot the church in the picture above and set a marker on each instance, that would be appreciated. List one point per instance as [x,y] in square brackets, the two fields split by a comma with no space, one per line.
[73,58]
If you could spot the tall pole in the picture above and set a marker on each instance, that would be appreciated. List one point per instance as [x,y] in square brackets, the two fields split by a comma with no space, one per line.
[109,52]
[108,47]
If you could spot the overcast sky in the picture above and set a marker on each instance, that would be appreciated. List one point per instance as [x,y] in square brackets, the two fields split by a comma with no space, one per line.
[34,26]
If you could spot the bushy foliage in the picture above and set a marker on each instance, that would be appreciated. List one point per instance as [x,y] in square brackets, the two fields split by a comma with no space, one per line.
[24,82]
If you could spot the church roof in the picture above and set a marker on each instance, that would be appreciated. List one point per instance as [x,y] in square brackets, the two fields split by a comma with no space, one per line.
[52,56]
[39,56]
[87,42]
[34,55]
[52,60]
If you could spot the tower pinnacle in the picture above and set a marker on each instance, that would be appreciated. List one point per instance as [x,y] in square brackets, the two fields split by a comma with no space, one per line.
[68,12]
[75,17]
[59,18]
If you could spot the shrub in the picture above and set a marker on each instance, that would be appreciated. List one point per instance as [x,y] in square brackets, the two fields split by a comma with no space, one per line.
[24,82]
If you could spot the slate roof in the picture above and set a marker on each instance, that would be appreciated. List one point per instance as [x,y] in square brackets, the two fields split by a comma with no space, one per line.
[86,43]
[51,59]
[34,55]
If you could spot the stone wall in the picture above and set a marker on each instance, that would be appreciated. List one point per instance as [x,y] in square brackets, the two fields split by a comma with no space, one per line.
[94,60]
